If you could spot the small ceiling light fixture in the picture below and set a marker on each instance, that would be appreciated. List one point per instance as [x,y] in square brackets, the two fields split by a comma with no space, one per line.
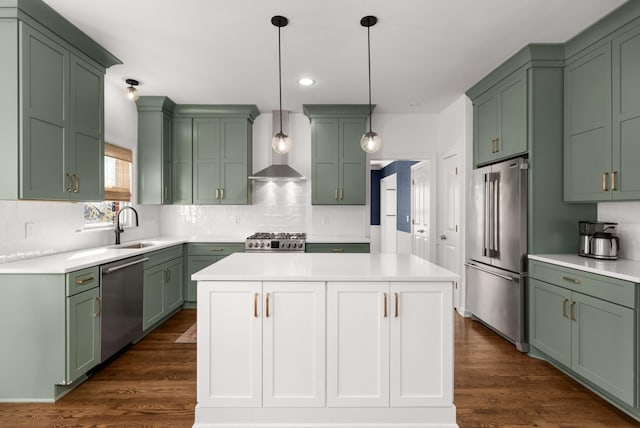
[370,141]
[281,142]
[132,92]
[306,81]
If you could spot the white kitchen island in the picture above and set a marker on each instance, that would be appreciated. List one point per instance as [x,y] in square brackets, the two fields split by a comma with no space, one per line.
[325,341]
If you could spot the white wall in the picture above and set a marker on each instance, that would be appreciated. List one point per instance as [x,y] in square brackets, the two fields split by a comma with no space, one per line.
[627,215]
[30,228]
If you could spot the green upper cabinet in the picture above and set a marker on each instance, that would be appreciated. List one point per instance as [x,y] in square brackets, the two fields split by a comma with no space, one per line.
[338,162]
[500,120]
[155,150]
[602,110]
[182,160]
[52,107]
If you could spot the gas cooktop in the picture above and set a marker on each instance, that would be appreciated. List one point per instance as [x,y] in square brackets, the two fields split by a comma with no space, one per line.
[271,242]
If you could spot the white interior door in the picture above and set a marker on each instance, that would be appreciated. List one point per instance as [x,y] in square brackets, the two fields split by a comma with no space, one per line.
[388,214]
[293,344]
[422,201]
[449,217]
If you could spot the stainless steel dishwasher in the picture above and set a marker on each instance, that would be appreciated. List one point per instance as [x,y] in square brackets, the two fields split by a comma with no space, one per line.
[121,296]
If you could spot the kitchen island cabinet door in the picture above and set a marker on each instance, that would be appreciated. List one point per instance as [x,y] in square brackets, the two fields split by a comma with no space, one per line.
[83,333]
[602,341]
[357,344]
[229,362]
[294,344]
[587,139]
[421,372]
[550,322]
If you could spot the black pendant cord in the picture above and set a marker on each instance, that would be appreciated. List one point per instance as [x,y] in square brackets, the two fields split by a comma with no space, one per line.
[369,55]
[280,77]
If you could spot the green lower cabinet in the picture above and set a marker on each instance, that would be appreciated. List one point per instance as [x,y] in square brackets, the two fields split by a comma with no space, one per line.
[337,248]
[590,337]
[201,255]
[83,333]
[162,291]
[195,264]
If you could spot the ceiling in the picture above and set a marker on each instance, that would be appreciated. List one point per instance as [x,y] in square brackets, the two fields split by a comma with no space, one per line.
[424,53]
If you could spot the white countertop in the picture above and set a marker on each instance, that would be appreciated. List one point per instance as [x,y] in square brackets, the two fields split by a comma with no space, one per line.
[323,267]
[80,259]
[627,270]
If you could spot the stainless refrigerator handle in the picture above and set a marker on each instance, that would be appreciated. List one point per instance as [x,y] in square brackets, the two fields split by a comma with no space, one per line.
[496,201]
[508,278]
[115,268]
[492,197]
[485,220]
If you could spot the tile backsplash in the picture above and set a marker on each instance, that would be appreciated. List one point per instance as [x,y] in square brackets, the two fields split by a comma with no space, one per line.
[33,228]
[627,215]
[276,207]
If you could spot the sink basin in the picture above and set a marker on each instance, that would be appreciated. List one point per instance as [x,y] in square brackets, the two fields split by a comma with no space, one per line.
[133,246]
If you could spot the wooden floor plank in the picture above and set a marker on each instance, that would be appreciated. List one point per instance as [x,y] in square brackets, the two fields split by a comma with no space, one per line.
[153,384]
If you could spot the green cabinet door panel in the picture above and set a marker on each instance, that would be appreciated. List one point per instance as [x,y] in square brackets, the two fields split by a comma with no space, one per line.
[325,141]
[352,162]
[206,160]
[173,286]
[83,333]
[195,264]
[626,114]
[587,141]
[550,325]
[234,173]
[485,126]
[512,100]
[603,345]
[167,153]
[45,79]
[153,295]
[182,160]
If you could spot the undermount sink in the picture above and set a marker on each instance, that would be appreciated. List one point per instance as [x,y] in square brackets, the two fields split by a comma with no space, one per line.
[133,246]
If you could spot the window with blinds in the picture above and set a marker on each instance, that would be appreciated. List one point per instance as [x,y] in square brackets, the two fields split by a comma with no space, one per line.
[117,173]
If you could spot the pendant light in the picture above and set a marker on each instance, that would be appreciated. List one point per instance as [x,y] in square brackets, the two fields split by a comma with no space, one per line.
[281,142]
[370,141]
[132,92]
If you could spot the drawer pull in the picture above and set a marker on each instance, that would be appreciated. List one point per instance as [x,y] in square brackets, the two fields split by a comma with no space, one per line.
[337,250]
[84,281]
[217,249]
[572,280]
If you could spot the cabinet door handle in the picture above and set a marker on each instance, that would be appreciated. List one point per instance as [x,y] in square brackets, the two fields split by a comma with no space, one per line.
[222,193]
[572,280]
[217,193]
[385,305]
[604,181]
[69,182]
[77,186]
[573,318]
[397,298]
[266,306]
[255,305]
[84,281]
[99,302]
[165,192]
[564,308]
[613,181]
[336,194]
[341,194]
[497,145]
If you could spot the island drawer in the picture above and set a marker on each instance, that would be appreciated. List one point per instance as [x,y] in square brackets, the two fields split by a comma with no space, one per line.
[337,248]
[213,249]
[600,286]
[164,255]
[81,280]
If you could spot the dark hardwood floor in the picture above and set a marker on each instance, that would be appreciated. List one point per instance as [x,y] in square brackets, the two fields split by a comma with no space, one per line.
[153,384]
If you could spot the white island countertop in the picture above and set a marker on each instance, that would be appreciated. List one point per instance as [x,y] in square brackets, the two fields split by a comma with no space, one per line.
[323,267]
[627,270]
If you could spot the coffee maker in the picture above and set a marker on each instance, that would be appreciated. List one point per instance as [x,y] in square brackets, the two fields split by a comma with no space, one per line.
[597,240]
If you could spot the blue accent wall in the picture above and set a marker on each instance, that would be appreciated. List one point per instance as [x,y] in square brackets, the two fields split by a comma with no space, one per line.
[403,169]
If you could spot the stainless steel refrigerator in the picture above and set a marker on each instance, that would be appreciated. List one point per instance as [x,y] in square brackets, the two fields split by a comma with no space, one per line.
[497,249]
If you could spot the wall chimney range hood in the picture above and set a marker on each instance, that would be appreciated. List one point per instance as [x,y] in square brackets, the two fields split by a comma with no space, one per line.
[279,170]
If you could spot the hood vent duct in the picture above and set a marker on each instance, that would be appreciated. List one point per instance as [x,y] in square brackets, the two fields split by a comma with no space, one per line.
[279,170]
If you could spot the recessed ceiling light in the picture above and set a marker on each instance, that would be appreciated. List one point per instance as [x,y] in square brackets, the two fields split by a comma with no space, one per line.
[305,81]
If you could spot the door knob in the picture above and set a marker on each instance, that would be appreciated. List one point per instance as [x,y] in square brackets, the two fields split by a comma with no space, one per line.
[420,230]
[443,237]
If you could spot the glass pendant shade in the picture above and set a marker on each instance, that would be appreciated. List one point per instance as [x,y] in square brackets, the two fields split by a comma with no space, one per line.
[281,143]
[132,93]
[370,142]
